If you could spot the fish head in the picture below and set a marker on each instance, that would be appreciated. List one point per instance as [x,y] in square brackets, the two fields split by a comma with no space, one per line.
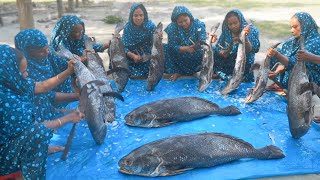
[250,98]
[140,162]
[140,117]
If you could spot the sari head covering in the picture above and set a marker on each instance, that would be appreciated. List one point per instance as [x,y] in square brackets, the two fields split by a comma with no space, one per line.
[177,62]
[309,29]
[16,95]
[138,39]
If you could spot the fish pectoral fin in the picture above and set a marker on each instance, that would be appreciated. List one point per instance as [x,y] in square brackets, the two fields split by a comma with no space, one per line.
[113,94]
[176,172]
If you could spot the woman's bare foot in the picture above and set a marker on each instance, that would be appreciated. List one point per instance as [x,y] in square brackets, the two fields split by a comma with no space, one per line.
[174,76]
[54,149]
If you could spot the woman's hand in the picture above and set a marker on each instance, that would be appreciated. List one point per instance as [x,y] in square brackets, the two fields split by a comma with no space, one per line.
[75,116]
[187,49]
[71,64]
[136,58]
[303,55]
[247,30]
[280,69]
[214,37]
[272,52]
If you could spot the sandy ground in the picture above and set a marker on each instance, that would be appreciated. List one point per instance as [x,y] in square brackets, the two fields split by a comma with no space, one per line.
[93,13]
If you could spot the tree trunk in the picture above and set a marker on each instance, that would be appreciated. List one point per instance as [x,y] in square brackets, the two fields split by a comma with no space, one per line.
[60,8]
[25,14]
[70,6]
[77,3]
[84,2]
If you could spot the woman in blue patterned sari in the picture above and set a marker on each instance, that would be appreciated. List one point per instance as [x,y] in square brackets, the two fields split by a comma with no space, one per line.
[43,65]
[183,58]
[23,142]
[302,24]
[70,32]
[137,40]
[227,45]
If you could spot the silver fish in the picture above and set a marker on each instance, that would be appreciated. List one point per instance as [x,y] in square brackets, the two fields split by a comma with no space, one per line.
[261,81]
[239,68]
[299,104]
[168,111]
[177,154]
[206,71]
[156,67]
[118,59]
[91,97]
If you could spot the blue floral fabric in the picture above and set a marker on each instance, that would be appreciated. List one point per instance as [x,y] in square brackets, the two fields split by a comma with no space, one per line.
[177,62]
[61,35]
[227,65]
[138,40]
[41,70]
[23,144]
[309,30]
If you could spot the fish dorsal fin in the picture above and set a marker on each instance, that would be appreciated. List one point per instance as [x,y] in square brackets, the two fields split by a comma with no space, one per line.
[207,101]
[232,137]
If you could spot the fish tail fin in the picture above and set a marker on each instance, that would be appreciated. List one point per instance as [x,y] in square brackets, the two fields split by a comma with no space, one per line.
[270,152]
[228,111]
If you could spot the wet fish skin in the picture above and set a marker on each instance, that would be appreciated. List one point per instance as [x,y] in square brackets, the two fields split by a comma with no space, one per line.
[118,60]
[239,68]
[95,65]
[261,81]
[177,154]
[206,72]
[168,111]
[156,67]
[299,105]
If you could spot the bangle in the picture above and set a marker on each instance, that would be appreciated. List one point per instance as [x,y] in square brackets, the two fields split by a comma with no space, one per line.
[60,122]
[58,77]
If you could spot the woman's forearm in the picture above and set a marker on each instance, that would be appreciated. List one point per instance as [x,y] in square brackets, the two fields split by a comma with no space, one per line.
[51,83]
[66,97]
[282,59]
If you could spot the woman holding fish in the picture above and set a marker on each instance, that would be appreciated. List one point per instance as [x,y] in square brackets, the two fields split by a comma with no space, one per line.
[302,24]
[183,51]
[137,40]
[227,45]
[23,141]
[42,65]
[70,32]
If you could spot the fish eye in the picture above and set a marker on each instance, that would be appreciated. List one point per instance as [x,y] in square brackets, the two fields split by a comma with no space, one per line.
[128,162]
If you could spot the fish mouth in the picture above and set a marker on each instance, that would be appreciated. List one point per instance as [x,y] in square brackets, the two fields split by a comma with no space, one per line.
[125,171]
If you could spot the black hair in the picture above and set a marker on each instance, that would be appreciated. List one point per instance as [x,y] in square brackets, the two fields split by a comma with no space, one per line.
[230,14]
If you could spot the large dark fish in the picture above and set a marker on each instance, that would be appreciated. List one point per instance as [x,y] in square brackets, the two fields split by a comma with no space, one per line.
[175,155]
[299,105]
[239,68]
[95,65]
[95,108]
[261,81]
[156,67]
[168,111]
[118,60]
[206,71]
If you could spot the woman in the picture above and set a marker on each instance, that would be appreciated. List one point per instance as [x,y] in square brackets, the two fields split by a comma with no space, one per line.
[137,40]
[70,32]
[23,141]
[42,65]
[227,45]
[182,55]
[301,24]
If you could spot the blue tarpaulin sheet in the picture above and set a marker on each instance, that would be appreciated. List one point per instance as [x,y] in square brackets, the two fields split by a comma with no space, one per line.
[258,122]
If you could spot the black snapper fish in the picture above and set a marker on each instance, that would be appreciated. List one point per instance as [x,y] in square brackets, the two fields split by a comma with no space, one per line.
[175,155]
[206,72]
[168,111]
[239,68]
[118,59]
[299,109]
[94,106]
[156,67]
[261,81]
